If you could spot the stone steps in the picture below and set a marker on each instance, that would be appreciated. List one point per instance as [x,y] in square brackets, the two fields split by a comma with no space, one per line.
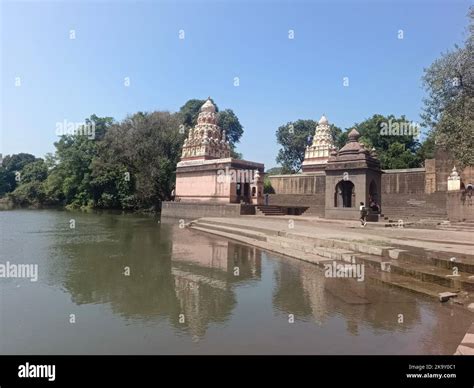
[383,265]
[271,210]
[409,254]
[431,274]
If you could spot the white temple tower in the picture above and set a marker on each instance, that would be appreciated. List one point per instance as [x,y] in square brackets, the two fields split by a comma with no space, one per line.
[206,140]
[317,154]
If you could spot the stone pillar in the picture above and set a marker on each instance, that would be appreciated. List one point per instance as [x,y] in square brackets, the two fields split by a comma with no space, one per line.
[430,176]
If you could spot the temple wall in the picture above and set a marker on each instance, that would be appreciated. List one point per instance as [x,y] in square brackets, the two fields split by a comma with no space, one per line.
[460,207]
[202,186]
[405,181]
[299,190]
[404,193]
[189,211]
[302,184]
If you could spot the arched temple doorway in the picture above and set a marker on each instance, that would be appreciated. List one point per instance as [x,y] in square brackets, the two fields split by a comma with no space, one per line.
[374,197]
[344,195]
[373,193]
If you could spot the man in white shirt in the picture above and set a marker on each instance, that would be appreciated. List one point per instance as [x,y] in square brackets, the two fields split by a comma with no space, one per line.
[363,214]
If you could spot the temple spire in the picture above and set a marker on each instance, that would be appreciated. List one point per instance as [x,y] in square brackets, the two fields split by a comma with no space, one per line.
[206,140]
[317,154]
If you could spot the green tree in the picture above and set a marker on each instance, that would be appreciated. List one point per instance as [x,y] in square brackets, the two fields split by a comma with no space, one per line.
[389,135]
[12,165]
[449,106]
[70,178]
[30,190]
[427,148]
[273,171]
[397,156]
[137,161]
[36,171]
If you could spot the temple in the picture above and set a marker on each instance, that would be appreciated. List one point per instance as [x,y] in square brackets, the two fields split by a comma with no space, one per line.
[317,154]
[353,176]
[332,184]
[207,173]
[206,140]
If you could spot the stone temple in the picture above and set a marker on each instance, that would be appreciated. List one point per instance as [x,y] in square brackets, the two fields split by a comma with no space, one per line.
[207,173]
[209,182]
[317,154]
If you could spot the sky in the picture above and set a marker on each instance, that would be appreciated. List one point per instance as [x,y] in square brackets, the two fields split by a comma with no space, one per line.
[47,77]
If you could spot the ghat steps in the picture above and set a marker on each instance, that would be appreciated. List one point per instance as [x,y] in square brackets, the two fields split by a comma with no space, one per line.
[270,210]
[409,268]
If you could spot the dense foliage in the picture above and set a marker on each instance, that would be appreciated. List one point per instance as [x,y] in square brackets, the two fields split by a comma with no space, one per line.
[449,107]
[127,165]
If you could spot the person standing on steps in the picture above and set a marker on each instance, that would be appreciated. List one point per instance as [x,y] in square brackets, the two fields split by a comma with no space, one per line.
[363,214]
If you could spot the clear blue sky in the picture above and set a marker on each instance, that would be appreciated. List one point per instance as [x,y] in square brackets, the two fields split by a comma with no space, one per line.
[281,80]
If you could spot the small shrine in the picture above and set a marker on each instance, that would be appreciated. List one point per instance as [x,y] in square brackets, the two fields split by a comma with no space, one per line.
[454,180]
[353,175]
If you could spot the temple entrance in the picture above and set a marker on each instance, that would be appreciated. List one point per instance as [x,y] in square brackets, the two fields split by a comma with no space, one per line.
[344,195]
[373,197]
[246,192]
[243,192]
[373,191]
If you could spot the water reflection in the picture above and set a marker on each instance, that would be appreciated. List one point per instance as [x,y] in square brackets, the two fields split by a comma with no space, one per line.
[304,291]
[178,274]
[193,283]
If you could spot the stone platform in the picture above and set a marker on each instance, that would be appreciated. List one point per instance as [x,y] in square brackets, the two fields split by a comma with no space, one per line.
[191,210]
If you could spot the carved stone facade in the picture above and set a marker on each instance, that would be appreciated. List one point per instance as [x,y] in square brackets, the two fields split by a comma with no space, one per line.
[206,140]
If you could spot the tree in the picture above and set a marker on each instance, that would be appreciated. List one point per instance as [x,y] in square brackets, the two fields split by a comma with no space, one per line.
[36,171]
[427,148]
[12,165]
[70,179]
[137,160]
[294,137]
[449,106]
[397,156]
[273,171]
[393,138]
[30,189]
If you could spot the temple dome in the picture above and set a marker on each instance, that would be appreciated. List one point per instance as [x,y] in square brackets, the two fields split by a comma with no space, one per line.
[353,135]
[323,120]
[208,106]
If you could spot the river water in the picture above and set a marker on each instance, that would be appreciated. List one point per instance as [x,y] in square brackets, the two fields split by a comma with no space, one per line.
[112,283]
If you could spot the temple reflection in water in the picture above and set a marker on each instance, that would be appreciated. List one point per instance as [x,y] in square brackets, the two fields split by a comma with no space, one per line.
[205,271]
[195,281]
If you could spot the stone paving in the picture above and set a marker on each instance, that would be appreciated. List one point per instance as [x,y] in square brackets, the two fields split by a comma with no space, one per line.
[437,240]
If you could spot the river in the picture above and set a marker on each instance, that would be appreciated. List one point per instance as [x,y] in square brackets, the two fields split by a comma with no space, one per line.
[113,283]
